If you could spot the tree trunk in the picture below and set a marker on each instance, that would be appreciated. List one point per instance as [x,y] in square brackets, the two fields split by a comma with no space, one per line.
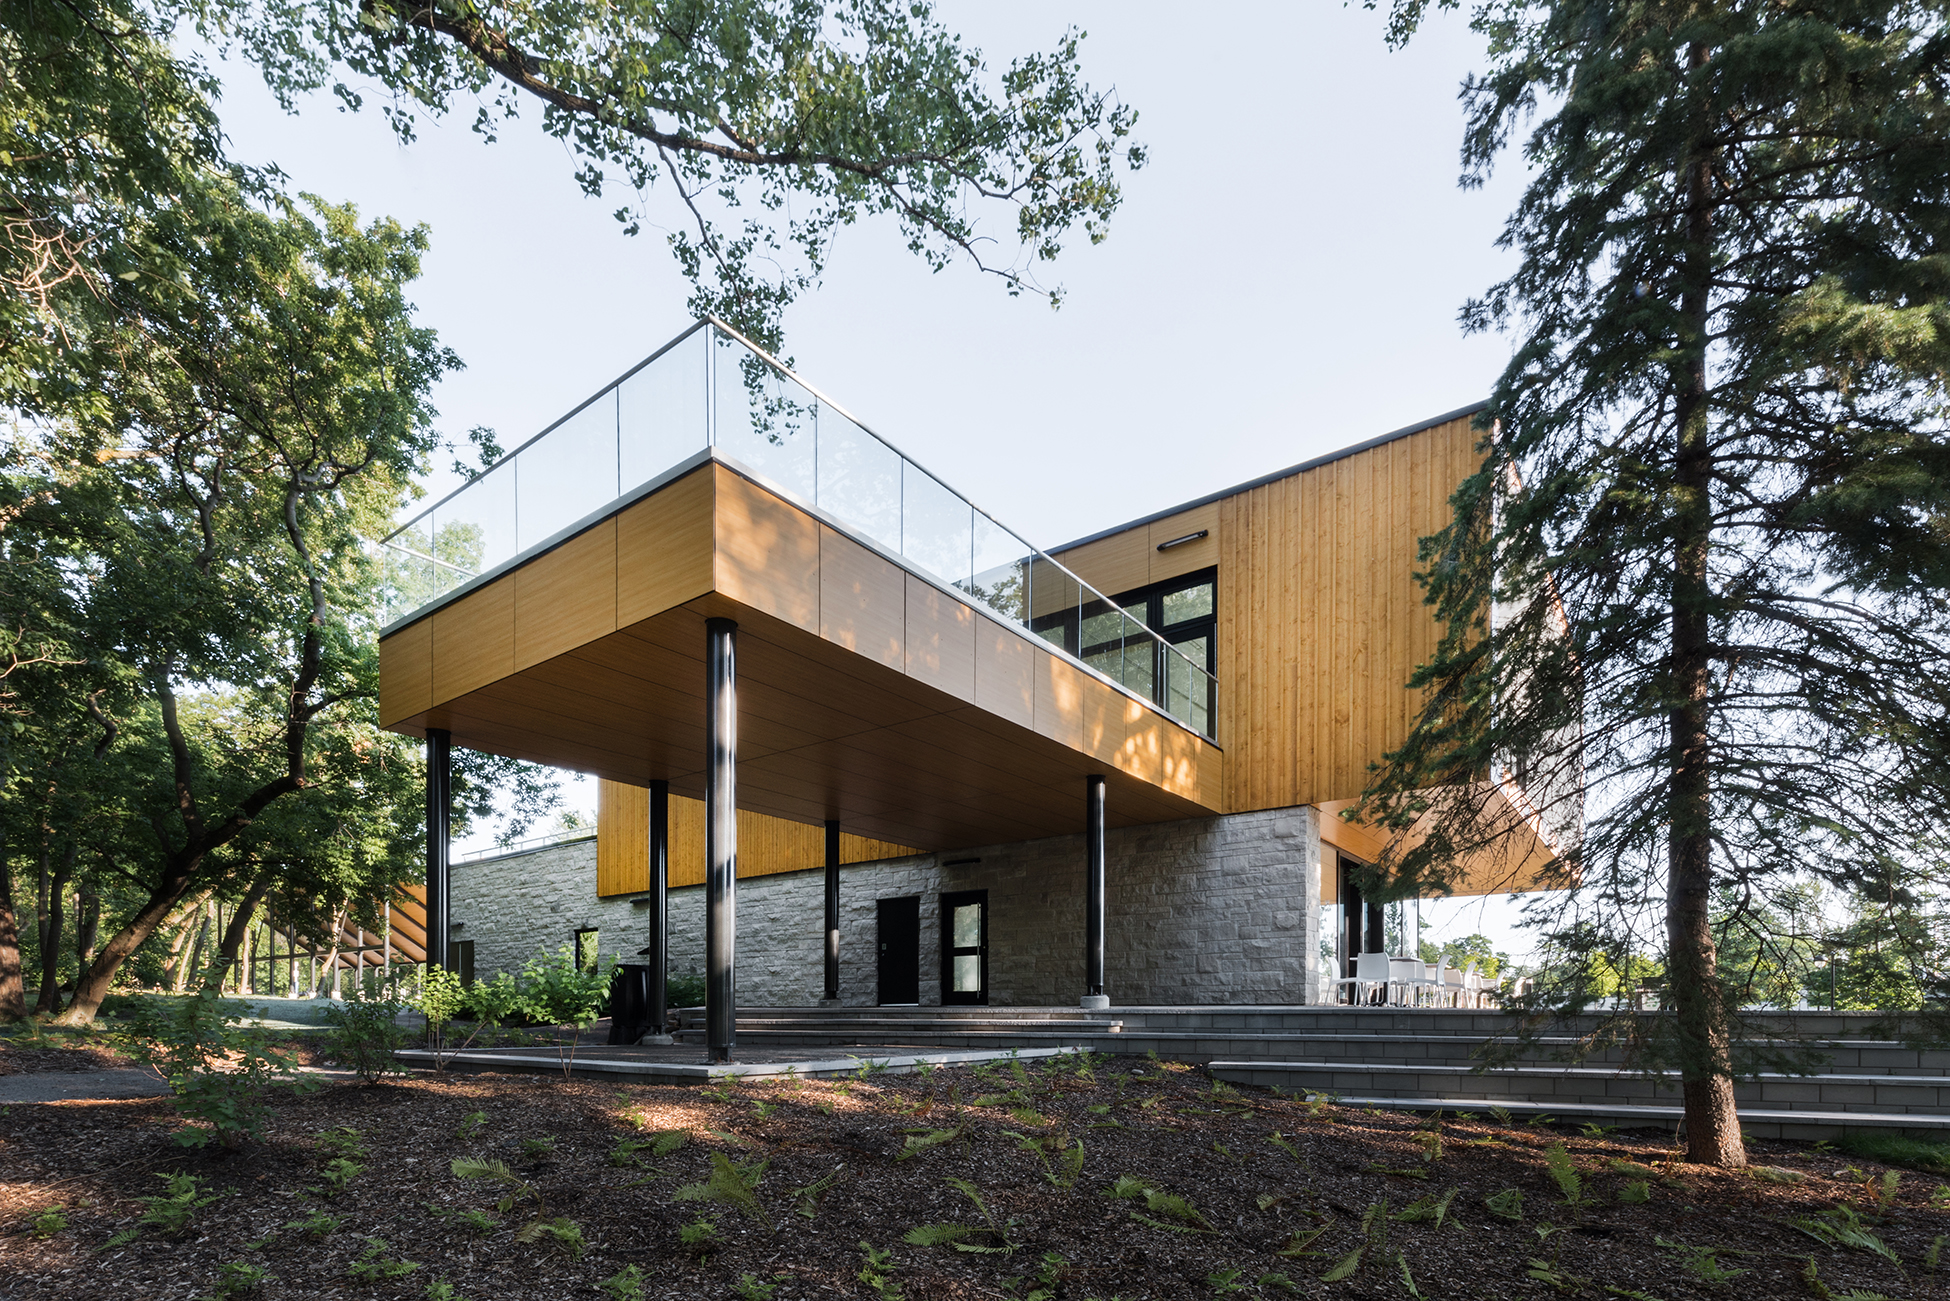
[332,960]
[236,934]
[1705,1047]
[198,947]
[181,949]
[87,925]
[13,993]
[93,985]
[53,885]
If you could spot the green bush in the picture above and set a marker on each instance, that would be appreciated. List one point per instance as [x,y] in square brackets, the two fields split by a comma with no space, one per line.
[685,991]
[218,1071]
[565,995]
[365,1034]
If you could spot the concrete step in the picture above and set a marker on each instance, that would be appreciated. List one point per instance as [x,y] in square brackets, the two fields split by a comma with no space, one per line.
[1332,1022]
[1755,1122]
[1559,1086]
[1853,1057]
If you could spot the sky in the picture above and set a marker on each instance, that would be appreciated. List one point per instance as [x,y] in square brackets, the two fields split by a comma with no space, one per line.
[1283,278]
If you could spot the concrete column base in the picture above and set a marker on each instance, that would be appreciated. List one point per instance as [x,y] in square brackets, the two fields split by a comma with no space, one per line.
[1094,1002]
[830,1002]
[656,1039]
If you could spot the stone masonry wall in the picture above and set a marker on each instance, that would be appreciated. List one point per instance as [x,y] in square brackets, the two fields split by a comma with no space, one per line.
[1208,910]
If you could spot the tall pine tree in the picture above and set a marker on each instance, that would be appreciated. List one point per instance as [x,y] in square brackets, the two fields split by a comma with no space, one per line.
[1695,597]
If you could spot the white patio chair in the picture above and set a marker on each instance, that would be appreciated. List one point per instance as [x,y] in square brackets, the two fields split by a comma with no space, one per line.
[1409,975]
[1454,985]
[1442,993]
[1475,983]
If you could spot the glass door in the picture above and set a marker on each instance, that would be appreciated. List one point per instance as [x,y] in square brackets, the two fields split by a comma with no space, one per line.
[965,947]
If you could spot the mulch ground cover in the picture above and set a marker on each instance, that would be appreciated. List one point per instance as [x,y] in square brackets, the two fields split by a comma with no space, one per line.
[1095,1179]
[69,1057]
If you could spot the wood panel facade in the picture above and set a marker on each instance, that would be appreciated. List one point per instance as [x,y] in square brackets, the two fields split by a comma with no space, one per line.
[766,845]
[1320,620]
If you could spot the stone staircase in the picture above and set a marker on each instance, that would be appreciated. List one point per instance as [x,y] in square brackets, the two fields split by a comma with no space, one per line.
[1422,1059]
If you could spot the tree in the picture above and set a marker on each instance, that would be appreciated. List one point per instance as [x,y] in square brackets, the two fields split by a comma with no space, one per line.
[1697,588]
[816,115]
[258,414]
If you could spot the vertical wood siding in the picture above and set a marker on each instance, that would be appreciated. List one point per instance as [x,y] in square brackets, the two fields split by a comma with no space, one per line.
[766,845]
[1321,621]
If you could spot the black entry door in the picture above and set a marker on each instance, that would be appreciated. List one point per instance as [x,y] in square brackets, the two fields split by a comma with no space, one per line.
[900,950]
[965,947]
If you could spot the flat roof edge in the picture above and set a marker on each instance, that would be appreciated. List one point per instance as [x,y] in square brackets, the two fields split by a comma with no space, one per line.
[1275,477]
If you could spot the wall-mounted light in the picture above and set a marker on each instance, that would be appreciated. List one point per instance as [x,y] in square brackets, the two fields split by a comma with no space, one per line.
[1189,537]
[961,862]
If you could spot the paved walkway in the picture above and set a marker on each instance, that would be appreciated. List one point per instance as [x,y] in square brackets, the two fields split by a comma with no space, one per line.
[65,1086]
[685,1064]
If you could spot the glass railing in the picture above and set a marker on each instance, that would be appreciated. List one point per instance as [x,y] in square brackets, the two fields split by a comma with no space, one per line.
[709,388]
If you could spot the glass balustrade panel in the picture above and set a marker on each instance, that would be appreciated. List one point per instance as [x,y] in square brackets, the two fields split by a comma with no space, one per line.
[661,412]
[765,420]
[1054,597]
[568,473]
[1140,658]
[1001,563]
[859,479]
[936,527]
[410,577]
[474,530]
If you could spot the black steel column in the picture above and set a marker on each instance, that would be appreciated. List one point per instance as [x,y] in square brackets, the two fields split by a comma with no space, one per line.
[832,911]
[720,838]
[440,803]
[659,905]
[1093,904]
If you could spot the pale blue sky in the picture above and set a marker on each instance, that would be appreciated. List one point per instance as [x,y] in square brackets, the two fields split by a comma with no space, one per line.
[1282,280]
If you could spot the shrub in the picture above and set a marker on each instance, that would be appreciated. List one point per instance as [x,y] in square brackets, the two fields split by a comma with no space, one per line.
[217,1070]
[365,1034]
[564,995]
[684,991]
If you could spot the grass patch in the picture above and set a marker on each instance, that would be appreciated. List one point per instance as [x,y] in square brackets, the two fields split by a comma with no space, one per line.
[1893,1149]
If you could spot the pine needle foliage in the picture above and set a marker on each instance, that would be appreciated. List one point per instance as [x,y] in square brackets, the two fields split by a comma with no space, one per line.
[1693,600]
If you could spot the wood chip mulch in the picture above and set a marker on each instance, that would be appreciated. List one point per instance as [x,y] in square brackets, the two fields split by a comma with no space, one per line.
[65,1057]
[1224,1193]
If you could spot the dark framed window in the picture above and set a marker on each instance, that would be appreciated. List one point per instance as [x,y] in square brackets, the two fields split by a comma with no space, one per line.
[460,960]
[587,946]
[1183,611]
[965,947]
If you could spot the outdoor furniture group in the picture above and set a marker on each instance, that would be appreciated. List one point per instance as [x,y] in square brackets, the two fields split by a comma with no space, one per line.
[1383,980]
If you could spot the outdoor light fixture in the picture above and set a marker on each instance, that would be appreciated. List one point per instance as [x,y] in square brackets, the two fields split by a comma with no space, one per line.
[1179,542]
[960,862]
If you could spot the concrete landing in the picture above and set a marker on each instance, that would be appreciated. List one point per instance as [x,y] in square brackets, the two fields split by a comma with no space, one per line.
[683,1063]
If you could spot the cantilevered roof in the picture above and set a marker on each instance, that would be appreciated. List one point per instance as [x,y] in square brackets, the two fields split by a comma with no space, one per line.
[553,610]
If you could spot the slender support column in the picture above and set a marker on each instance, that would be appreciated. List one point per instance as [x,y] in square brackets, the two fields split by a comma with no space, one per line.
[832,912]
[1093,901]
[440,792]
[659,947]
[720,838]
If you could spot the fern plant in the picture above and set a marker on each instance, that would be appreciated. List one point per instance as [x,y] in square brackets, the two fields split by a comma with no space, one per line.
[732,1184]
[962,1236]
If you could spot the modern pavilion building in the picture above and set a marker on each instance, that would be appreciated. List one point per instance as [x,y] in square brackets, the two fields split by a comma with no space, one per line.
[885,751]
